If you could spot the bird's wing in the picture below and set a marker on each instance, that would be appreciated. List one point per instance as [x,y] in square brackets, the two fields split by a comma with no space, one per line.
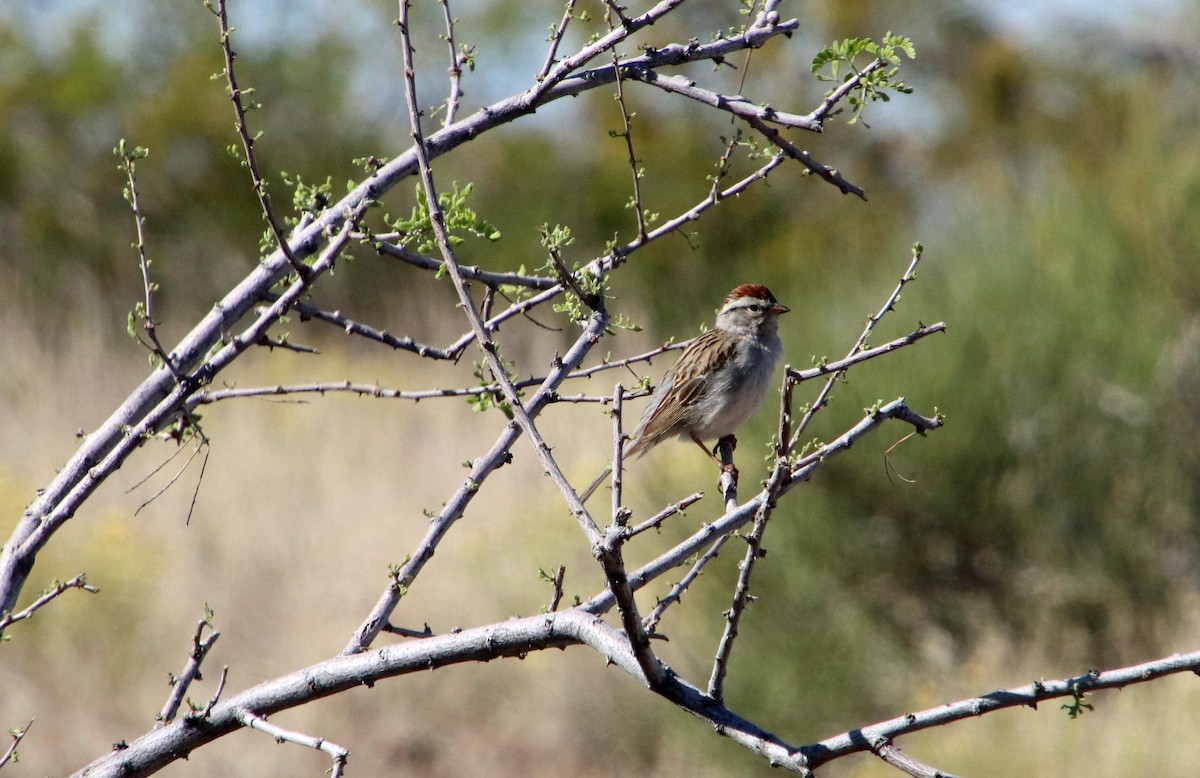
[687,381]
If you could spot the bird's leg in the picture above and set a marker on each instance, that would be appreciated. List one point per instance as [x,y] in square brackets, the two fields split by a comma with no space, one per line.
[710,454]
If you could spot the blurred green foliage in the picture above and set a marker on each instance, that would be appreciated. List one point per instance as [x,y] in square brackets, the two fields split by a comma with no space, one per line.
[1054,182]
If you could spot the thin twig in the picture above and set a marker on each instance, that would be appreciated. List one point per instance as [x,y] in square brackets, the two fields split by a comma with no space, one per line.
[627,133]
[406,632]
[455,70]
[251,160]
[308,311]
[17,736]
[681,586]
[724,163]
[216,697]
[842,365]
[556,598]
[183,446]
[737,105]
[486,277]
[149,322]
[281,735]
[872,321]
[620,514]
[657,519]
[829,174]
[78,582]
[821,112]
[195,451]
[284,344]
[556,39]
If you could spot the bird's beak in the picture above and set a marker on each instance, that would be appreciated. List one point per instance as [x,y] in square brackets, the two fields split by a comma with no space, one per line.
[778,309]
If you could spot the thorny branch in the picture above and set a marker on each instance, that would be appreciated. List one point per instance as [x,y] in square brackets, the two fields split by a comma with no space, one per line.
[239,110]
[158,397]
[518,637]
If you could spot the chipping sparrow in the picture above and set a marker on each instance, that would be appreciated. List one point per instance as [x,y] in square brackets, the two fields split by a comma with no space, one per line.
[721,378]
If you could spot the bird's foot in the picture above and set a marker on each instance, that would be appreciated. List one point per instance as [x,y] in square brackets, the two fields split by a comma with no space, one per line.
[728,439]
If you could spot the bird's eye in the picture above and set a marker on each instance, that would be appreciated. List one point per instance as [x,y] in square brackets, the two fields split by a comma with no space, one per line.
[756,308]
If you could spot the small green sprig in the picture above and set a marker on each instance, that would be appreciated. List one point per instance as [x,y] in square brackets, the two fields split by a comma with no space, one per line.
[840,61]
[1076,706]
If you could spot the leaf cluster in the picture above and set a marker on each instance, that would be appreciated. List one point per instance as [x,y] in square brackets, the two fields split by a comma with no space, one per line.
[459,217]
[874,80]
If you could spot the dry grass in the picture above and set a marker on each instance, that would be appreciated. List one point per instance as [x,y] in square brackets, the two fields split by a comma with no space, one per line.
[301,511]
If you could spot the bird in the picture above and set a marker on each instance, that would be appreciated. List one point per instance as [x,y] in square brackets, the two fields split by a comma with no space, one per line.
[719,380]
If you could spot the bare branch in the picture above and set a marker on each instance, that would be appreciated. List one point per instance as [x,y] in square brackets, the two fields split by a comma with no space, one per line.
[511,638]
[480,470]
[620,514]
[825,172]
[405,632]
[744,513]
[1022,696]
[351,327]
[191,671]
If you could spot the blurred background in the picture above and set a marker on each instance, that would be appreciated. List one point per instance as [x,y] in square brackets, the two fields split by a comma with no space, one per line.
[1048,161]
